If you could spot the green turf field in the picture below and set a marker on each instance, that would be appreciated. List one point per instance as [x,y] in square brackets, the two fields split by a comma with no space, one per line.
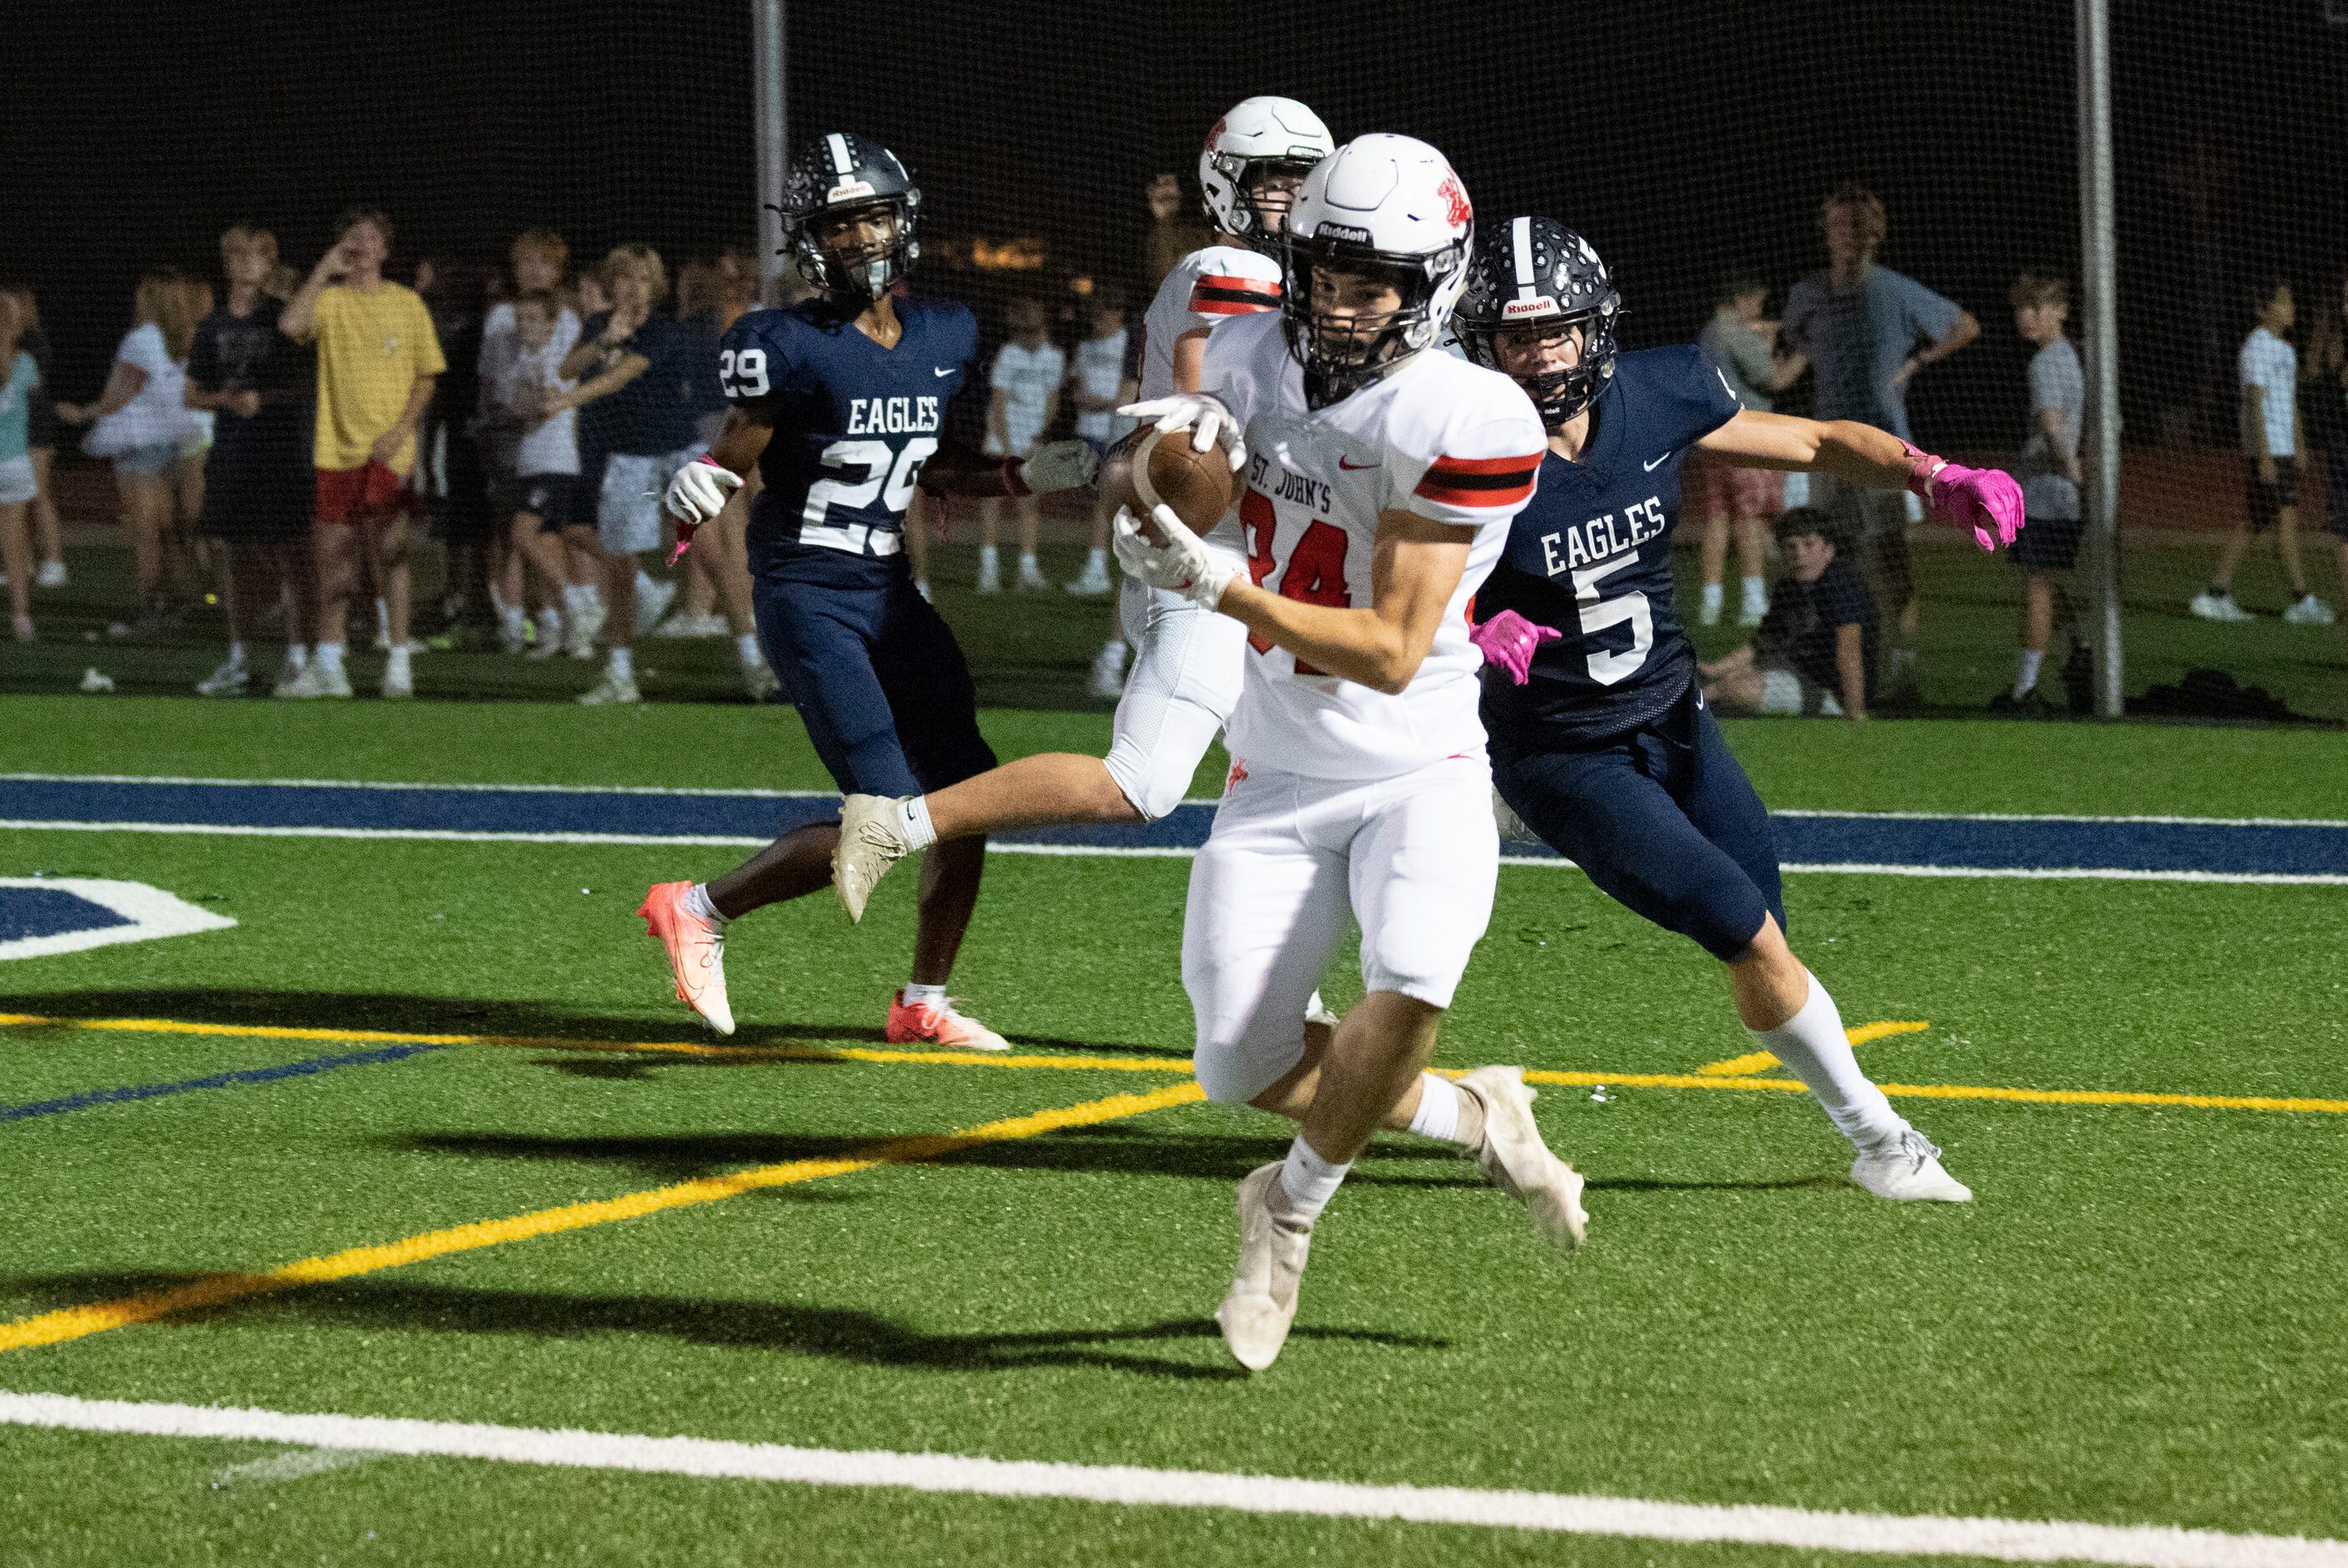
[2138,1322]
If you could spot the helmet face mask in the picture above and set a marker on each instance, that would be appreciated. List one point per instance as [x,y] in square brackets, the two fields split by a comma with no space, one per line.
[1534,285]
[1351,313]
[850,214]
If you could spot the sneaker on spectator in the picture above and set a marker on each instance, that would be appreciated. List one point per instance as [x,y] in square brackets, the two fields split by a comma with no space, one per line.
[317,680]
[2219,607]
[653,597]
[229,680]
[759,680]
[2310,611]
[612,689]
[287,673]
[578,634]
[684,623]
[1094,584]
[52,575]
[1108,680]
[1031,578]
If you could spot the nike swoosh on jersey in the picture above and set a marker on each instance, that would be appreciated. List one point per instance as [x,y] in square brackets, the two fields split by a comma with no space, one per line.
[1655,463]
[1344,464]
[943,371]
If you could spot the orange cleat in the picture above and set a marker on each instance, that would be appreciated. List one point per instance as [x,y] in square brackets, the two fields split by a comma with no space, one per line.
[697,954]
[910,1025]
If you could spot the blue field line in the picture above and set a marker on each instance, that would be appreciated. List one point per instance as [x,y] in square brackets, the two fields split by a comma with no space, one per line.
[1918,843]
[307,1068]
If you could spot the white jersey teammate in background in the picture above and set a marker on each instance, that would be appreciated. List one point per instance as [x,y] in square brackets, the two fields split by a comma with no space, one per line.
[1186,664]
[1380,479]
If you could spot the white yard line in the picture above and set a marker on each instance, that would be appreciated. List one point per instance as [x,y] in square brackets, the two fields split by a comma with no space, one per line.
[2004,1540]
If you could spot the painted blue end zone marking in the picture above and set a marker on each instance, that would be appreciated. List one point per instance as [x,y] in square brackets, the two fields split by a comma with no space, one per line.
[304,1068]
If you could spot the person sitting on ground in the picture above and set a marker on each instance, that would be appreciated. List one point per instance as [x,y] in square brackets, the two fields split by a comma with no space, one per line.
[1816,644]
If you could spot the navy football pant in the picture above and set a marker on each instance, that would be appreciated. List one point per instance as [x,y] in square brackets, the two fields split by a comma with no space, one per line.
[877,676]
[1661,818]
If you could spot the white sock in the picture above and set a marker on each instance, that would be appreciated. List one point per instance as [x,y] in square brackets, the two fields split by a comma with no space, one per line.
[1438,1109]
[1096,563]
[395,662]
[1310,1181]
[297,655]
[988,560]
[746,645]
[913,819]
[594,594]
[236,655]
[2026,672]
[697,902]
[1027,567]
[1903,661]
[920,996]
[1711,598]
[622,667]
[511,618]
[1756,590]
[576,598]
[383,616]
[330,657]
[1813,1044]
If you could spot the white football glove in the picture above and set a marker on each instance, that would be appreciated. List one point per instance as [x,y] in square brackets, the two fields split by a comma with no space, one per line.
[1183,564]
[1203,415]
[700,490]
[1058,466]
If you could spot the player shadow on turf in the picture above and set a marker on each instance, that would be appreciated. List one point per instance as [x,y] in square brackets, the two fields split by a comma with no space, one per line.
[518,1021]
[682,1157]
[835,1333]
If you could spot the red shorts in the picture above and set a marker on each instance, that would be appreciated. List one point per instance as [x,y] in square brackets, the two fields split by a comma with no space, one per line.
[1724,489]
[360,495]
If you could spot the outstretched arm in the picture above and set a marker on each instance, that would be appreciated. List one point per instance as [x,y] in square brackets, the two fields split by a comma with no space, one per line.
[1987,500]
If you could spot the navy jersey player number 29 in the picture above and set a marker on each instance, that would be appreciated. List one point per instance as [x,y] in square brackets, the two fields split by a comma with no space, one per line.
[853,421]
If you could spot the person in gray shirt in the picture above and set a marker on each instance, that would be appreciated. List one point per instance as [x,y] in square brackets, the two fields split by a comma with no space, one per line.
[1744,347]
[2049,473]
[1867,331]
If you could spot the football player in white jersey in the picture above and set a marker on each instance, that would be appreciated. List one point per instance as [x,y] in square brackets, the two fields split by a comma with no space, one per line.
[1186,672]
[1380,479]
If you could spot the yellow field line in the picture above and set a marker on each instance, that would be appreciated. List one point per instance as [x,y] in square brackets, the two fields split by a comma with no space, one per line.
[216,1290]
[1705,1077]
[1762,1061]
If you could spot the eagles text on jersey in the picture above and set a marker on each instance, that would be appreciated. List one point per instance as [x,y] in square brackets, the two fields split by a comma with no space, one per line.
[1592,556]
[853,421]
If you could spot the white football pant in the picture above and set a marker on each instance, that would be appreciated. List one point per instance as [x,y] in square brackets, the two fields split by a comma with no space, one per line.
[1413,859]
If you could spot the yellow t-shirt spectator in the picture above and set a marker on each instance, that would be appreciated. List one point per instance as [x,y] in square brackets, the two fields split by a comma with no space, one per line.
[371,348]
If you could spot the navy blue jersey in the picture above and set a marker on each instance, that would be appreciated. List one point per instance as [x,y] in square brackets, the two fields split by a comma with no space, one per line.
[853,421]
[1592,556]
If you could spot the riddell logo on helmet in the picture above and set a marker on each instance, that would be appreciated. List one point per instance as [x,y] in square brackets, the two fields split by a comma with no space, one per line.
[1341,231]
[1527,306]
[849,192]
[1454,198]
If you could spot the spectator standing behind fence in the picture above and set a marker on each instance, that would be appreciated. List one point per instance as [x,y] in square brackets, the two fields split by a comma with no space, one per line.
[546,495]
[2269,370]
[20,378]
[41,442]
[1103,374]
[138,422]
[2048,470]
[1024,394]
[635,422]
[452,477]
[1817,642]
[1728,496]
[1867,331]
[2327,412]
[255,382]
[539,258]
[378,362]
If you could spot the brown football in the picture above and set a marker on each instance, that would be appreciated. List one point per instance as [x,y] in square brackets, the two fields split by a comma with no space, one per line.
[1196,484]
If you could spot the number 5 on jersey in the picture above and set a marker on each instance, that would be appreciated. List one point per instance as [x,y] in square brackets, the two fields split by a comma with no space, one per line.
[1316,563]
[1606,667]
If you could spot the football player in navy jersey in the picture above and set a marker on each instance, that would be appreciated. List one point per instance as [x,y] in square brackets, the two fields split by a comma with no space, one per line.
[841,402]
[1599,739]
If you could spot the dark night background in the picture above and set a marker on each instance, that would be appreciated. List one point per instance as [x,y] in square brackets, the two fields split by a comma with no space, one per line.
[1684,138]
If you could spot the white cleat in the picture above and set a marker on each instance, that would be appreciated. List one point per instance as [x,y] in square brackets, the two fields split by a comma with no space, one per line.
[1517,1161]
[1907,1170]
[1262,1303]
[871,840]
[611,691]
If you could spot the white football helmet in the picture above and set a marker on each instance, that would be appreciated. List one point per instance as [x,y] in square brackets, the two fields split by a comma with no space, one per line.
[1259,137]
[1389,207]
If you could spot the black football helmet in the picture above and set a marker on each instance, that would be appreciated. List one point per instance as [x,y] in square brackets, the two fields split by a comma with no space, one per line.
[838,174]
[1536,272]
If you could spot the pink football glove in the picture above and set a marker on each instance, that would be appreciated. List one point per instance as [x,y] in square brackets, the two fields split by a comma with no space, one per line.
[1987,500]
[1510,641]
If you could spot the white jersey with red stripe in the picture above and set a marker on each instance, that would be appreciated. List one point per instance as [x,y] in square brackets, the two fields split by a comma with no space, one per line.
[1211,286]
[1438,437]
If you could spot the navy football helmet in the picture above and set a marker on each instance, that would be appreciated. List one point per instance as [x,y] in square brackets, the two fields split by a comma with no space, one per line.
[1537,272]
[841,176]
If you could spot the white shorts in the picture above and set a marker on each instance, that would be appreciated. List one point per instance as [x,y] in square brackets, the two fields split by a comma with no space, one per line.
[17,483]
[1188,666]
[1413,860]
[629,518]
